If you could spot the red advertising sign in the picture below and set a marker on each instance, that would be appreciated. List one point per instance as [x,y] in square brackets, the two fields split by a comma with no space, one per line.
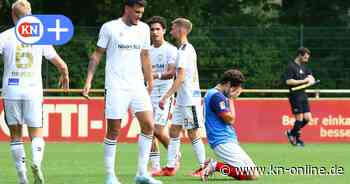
[258,120]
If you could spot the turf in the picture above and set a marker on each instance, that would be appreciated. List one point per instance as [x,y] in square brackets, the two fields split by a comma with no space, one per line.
[68,163]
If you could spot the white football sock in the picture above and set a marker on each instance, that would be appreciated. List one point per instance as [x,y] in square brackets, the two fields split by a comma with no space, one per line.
[109,156]
[155,160]
[38,145]
[19,157]
[173,150]
[145,144]
[199,149]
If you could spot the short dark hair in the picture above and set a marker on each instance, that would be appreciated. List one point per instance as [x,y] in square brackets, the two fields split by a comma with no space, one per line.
[234,76]
[302,51]
[133,2]
[157,19]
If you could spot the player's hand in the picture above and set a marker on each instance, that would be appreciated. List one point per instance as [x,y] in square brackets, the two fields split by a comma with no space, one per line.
[149,87]
[310,79]
[86,90]
[161,103]
[234,94]
[64,82]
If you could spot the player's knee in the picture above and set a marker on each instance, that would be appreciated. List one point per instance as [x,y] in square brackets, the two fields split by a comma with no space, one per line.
[193,134]
[36,132]
[112,134]
[299,117]
[15,133]
[174,131]
[158,131]
[147,128]
[16,139]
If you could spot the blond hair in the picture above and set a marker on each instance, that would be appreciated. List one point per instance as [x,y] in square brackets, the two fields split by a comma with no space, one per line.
[21,8]
[183,22]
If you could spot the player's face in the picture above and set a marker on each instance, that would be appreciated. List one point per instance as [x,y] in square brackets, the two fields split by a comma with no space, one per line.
[134,13]
[305,58]
[175,31]
[157,32]
[233,92]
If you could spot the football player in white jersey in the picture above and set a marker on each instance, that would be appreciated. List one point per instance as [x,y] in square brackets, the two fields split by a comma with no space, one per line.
[126,42]
[188,112]
[163,56]
[23,94]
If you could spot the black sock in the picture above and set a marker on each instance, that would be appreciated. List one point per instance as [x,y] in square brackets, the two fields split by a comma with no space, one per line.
[305,122]
[296,128]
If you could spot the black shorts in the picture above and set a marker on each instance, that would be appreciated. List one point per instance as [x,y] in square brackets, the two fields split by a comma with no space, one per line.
[299,103]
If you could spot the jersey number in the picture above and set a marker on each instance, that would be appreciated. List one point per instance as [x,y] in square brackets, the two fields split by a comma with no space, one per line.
[24,56]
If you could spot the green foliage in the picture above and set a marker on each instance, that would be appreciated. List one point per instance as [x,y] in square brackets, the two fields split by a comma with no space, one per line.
[315,12]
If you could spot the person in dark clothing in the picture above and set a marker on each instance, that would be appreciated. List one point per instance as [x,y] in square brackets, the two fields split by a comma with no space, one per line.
[298,74]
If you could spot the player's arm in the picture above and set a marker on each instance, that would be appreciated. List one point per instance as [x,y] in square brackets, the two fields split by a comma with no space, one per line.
[170,67]
[63,69]
[310,77]
[180,78]
[290,81]
[294,82]
[168,74]
[95,59]
[147,69]
[221,107]
[227,117]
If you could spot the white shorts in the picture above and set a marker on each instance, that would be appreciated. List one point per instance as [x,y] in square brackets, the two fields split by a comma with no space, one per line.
[161,116]
[231,153]
[19,112]
[189,117]
[118,102]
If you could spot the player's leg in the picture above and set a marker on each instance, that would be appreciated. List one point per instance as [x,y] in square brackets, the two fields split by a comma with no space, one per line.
[303,118]
[194,121]
[161,117]
[145,119]
[32,115]
[13,119]
[296,107]
[306,117]
[155,156]
[18,152]
[236,162]
[116,108]
[174,141]
[198,148]
[160,134]
[173,152]
[110,145]
[142,107]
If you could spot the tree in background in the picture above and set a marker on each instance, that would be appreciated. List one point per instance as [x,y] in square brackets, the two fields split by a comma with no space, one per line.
[315,12]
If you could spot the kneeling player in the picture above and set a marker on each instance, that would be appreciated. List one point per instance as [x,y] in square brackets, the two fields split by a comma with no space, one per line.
[220,133]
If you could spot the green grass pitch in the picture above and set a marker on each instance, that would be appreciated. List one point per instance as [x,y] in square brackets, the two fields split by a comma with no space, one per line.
[72,163]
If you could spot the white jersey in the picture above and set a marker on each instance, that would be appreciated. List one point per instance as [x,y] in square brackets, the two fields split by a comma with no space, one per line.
[161,57]
[22,67]
[189,93]
[124,44]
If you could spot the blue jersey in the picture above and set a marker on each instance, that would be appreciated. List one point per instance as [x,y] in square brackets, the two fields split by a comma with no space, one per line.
[218,132]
